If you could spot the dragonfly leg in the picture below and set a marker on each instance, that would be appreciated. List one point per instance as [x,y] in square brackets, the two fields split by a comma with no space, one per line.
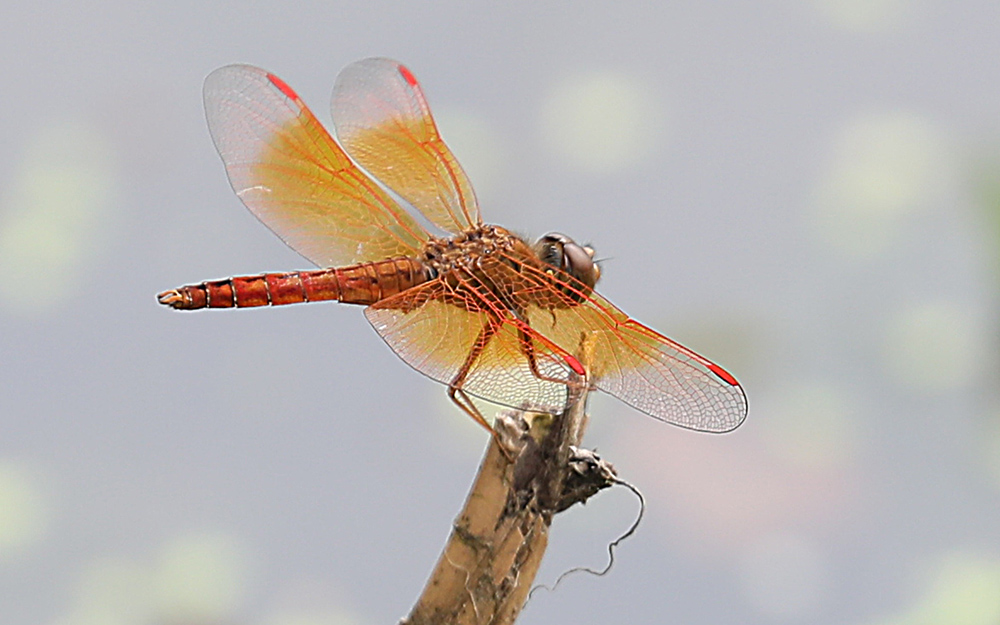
[463,401]
[455,392]
[529,353]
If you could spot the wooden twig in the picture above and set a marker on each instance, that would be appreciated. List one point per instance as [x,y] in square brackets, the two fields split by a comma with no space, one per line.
[498,540]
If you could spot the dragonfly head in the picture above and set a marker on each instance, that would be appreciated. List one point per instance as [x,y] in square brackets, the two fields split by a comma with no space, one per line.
[564,253]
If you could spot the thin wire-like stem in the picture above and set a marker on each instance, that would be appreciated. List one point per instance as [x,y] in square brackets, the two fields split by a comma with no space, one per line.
[611,546]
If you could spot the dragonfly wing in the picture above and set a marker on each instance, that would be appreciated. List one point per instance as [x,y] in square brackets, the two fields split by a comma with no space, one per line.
[434,328]
[384,123]
[637,365]
[291,174]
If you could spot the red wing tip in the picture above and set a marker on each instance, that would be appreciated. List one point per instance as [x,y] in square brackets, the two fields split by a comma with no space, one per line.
[282,86]
[575,365]
[407,75]
[722,373]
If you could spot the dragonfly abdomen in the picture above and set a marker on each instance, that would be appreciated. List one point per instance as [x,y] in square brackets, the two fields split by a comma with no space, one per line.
[363,284]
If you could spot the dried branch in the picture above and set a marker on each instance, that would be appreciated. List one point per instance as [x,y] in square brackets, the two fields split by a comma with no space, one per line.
[497,543]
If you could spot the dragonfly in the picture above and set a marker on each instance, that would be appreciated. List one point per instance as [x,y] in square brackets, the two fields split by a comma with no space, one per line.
[387,213]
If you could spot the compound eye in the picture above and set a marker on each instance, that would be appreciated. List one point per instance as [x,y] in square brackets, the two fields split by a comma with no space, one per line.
[560,251]
[579,263]
[550,253]
[550,249]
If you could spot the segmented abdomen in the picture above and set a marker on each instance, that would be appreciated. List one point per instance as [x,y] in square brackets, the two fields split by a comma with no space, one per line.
[364,284]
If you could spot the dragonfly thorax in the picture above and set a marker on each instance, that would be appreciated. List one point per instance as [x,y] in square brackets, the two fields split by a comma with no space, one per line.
[492,262]
[468,249]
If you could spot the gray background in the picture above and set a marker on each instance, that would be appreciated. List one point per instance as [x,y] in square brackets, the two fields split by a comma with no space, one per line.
[803,191]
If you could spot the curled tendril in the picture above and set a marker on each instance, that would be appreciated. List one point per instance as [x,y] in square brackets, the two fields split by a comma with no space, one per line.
[611,546]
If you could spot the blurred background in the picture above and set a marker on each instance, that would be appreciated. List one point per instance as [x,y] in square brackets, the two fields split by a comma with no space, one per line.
[806,192]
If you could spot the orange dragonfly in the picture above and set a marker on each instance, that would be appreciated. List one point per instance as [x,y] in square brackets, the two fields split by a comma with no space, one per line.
[481,310]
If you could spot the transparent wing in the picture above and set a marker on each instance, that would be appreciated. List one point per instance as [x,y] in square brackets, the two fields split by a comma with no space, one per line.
[434,328]
[384,123]
[637,365]
[291,174]
[529,355]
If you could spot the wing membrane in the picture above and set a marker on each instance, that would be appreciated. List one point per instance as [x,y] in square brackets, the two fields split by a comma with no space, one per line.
[539,330]
[434,328]
[637,365]
[384,123]
[291,174]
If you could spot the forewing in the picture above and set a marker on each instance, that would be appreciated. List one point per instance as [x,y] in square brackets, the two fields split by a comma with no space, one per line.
[291,174]
[641,367]
[384,123]
[434,328]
